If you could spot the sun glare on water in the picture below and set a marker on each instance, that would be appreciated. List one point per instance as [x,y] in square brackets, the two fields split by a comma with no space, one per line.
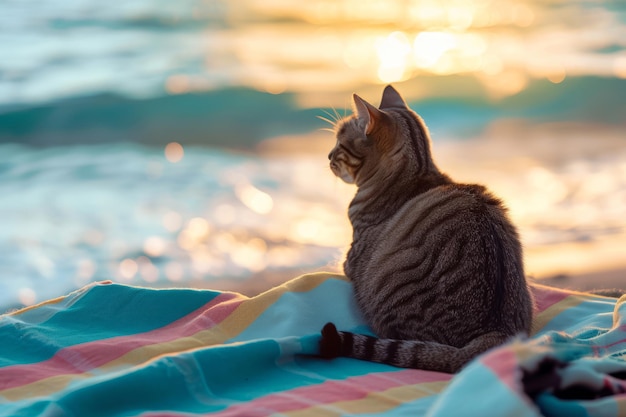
[332,46]
[454,37]
[345,43]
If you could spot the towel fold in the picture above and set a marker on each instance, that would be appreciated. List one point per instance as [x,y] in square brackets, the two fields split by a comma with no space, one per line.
[118,350]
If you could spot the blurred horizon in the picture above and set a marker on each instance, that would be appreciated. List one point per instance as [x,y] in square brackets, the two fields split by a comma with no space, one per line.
[90,73]
[321,47]
[179,143]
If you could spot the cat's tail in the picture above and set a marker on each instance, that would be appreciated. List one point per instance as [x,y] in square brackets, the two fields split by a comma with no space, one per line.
[405,353]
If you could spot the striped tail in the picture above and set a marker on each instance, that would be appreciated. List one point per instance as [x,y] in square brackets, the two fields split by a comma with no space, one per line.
[405,353]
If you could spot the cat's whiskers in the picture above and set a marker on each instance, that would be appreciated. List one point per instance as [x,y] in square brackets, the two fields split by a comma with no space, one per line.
[337,115]
[332,118]
[330,122]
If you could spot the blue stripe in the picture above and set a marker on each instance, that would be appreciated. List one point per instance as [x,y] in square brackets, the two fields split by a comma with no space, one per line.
[597,311]
[101,312]
[332,300]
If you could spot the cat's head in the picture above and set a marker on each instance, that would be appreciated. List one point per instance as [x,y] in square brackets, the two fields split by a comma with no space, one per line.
[375,143]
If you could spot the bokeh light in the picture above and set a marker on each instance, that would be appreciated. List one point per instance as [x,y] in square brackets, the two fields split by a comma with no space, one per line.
[27,296]
[174,152]
[255,199]
[154,246]
[128,269]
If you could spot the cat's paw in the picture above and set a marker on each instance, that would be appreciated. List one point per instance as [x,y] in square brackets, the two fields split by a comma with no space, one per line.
[330,343]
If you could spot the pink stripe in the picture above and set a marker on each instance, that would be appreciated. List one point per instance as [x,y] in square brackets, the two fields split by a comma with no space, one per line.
[329,392]
[546,297]
[87,356]
[505,365]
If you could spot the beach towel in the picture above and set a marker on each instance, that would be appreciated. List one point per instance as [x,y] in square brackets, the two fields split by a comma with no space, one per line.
[118,350]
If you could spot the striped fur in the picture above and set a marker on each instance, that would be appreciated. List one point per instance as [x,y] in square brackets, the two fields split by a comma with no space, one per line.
[436,265]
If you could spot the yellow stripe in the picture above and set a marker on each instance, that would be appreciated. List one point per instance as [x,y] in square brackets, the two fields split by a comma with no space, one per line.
[231,326]
[543,318]
[374,402]
[621,405]
[57,299]
[34,306]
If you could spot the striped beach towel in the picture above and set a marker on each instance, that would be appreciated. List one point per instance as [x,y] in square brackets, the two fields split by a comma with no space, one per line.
[118,350]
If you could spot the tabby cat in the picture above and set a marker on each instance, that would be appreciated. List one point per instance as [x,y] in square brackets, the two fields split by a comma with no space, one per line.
[436,265]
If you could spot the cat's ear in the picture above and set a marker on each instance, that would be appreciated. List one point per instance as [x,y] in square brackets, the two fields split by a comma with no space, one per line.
[367,114]
[391,98]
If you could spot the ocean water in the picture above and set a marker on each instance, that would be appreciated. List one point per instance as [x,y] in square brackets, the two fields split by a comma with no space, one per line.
[76,214]
[178,143]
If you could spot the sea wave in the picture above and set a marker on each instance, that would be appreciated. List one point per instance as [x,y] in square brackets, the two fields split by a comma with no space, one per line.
[241,118]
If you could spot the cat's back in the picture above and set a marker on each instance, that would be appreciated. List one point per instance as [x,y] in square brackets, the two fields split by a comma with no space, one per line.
[454,243]
[462,209]
[450,219]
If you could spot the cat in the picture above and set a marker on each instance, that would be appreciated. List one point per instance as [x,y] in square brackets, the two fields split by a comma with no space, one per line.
[436,265]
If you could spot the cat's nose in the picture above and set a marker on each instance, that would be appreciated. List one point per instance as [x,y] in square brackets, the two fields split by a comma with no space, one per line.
[330,155]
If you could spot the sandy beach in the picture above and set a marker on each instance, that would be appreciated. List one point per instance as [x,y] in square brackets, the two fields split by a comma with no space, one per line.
[591,281]
[595,279]
[515,150]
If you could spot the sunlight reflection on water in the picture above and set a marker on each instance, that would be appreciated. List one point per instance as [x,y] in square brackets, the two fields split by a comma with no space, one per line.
[504,44]
[215,215]
[210,215]
[319,45]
